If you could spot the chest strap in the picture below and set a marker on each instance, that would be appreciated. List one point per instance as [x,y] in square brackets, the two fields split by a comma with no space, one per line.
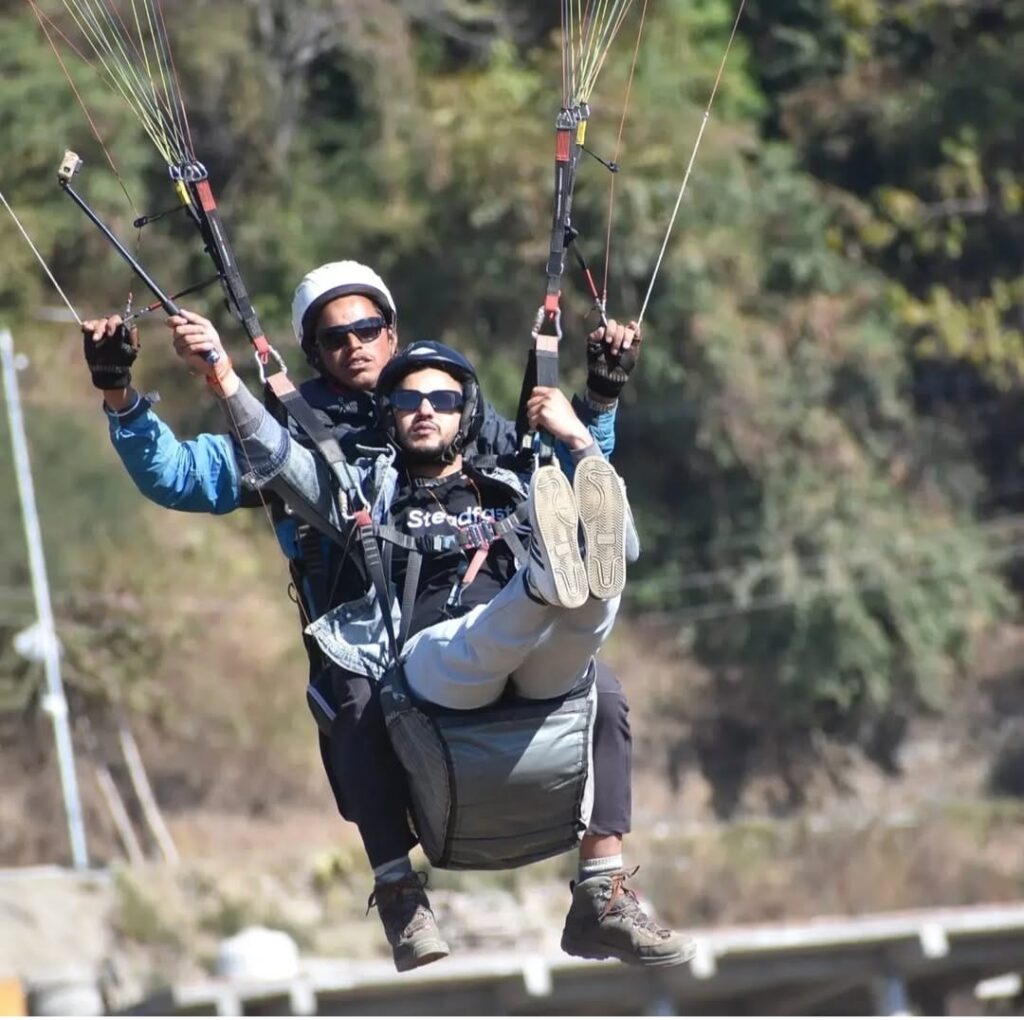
[370,536]
[467,538]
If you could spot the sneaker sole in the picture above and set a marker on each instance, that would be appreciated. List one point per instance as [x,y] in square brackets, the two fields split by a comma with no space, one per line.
[602,510]
[412,956]
[557,522]
[600,951]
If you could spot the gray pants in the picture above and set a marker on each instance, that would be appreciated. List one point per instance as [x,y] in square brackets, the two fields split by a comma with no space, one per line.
[545,650]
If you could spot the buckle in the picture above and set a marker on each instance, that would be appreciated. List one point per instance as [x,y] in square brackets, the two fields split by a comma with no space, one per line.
[474,536]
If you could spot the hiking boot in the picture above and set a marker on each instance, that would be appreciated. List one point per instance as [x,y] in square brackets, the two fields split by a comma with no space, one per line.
[556,571]
[604,514]
[408,921]
[606,920]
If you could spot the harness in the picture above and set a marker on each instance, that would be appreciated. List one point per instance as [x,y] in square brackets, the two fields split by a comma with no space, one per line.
[377,540]
[473,540]
[493,788]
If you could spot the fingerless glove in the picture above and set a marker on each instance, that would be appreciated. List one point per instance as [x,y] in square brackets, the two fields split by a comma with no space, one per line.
[110,358]
[606,372]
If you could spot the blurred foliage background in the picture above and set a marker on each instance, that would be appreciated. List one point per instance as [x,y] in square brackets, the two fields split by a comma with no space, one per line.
[822,444]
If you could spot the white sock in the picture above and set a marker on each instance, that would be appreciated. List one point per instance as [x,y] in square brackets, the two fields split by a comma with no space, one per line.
[393,871]
[600,866]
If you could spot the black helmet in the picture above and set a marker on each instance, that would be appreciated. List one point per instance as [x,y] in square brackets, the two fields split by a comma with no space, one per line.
[431,354]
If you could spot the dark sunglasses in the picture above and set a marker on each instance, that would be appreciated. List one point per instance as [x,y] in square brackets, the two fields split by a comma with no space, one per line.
[333,338]
[440,400]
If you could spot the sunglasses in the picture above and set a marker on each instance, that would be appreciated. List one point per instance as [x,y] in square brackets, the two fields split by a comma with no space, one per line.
[333,338]
[440,400]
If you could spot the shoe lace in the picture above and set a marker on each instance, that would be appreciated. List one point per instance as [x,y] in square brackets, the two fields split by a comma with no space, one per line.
[623,900]
[402,903]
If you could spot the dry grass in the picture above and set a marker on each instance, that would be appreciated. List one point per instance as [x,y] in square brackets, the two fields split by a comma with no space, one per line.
[770,871]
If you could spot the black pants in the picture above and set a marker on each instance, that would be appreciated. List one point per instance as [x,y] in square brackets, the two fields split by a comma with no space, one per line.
[366,777]
[613,758]
[369,783]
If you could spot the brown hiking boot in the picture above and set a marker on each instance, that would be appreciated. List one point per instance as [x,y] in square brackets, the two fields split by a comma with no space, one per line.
[408,921]
[606,920]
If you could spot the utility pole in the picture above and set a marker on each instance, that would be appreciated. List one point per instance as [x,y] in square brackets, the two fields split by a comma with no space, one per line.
[54,703]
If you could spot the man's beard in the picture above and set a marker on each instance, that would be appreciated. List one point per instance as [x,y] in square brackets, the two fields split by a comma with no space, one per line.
[437,453]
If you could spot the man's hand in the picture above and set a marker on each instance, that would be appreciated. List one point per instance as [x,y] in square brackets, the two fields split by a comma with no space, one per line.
[549,409]
[110,349]
[194,338]
[612,355]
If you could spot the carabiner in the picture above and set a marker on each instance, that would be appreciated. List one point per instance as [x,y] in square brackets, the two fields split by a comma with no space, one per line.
[261,365]
[544,316]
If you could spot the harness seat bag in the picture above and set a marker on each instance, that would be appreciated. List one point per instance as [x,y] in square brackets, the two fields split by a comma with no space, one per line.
[496,787]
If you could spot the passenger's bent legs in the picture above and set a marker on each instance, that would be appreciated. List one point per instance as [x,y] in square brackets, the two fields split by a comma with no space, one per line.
[563,652]
[465,663]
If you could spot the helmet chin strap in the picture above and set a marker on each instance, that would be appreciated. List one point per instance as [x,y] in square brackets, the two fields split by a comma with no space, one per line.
[313,358]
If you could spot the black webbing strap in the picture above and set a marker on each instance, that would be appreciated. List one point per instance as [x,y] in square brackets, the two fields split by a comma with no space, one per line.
[512,521]
[387,554]
[412,583]
[547,367]
[299,410]
[506,531]
[314,570]
[546,351]
[429,544]
[378,579]
[541,370]
[280,394]
[305,511]
[529,382]
[220,249]
[204,212]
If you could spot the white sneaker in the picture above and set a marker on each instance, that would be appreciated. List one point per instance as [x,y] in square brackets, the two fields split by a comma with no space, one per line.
[556,570]
[632,538]
[603,513]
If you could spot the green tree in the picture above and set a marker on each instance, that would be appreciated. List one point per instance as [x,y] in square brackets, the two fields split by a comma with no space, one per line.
[814,537]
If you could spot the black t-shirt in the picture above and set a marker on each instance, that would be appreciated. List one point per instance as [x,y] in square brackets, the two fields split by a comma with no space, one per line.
[429,507]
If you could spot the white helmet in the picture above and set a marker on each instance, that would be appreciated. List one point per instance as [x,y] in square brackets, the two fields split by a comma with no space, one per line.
[335,280]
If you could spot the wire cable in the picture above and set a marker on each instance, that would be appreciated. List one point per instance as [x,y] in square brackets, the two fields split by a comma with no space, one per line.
[618,150]
[40,259]
[693,159]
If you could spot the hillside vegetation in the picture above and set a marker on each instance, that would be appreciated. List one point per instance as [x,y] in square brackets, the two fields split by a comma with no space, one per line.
[822,441]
